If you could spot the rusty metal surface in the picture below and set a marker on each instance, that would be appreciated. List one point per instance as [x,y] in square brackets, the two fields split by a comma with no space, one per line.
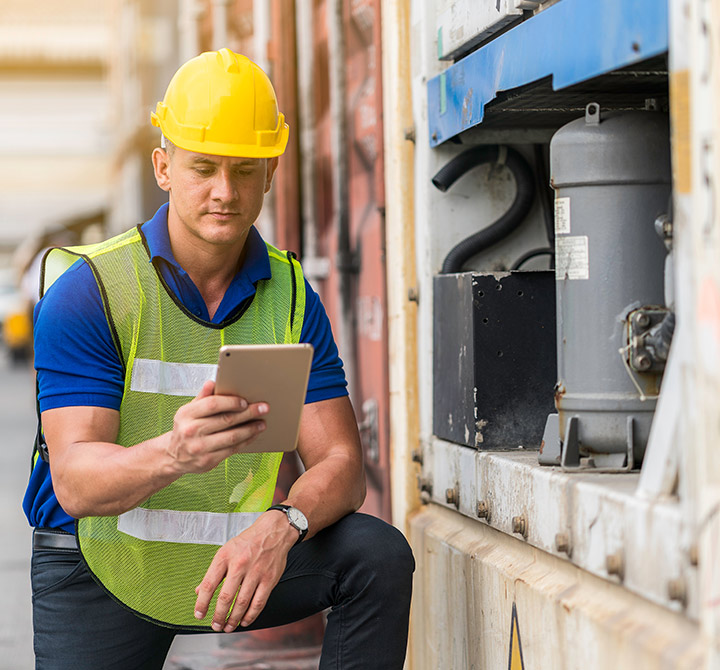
[286,186]
[366,199]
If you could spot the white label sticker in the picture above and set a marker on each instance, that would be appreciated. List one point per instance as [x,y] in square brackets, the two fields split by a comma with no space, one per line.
[562,216]
[572,260]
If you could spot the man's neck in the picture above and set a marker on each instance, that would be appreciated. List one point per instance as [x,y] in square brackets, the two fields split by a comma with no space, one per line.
[211,267]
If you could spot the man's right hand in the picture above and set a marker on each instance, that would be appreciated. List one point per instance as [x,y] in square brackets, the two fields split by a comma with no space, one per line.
[210,428]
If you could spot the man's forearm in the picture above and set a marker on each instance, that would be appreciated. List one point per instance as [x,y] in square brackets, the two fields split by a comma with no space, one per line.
[328,491]
[333,483]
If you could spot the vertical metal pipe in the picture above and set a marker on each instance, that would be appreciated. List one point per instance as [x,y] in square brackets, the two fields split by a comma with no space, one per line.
[267,221]
[189,38]
[338,110]
[220,23]
[306,117]
[262,33]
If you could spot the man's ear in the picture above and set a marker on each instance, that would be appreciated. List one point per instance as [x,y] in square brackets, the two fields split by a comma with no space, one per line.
[270,168]
[161,166]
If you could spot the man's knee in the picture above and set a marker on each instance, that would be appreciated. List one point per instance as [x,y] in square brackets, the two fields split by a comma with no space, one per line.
[377,545]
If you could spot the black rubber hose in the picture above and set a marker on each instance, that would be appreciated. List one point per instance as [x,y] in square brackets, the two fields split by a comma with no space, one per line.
[545,194]
[533,253]
[509,221]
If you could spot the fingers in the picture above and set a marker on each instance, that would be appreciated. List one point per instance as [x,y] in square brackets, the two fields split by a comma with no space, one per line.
[208,585]
[228,613]
[226,420]
[212,427]
[240,598]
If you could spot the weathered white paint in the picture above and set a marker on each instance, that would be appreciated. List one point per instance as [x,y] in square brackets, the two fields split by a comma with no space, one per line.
[462,24]
[400,258]
[468,576]
[599,513]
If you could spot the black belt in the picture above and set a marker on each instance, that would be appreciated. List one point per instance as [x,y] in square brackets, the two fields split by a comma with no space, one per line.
[55,539]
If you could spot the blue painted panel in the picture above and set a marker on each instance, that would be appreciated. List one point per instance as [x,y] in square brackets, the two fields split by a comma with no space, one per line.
[572,41]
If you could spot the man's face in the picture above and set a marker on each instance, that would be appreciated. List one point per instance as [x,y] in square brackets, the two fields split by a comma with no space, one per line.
[215,199]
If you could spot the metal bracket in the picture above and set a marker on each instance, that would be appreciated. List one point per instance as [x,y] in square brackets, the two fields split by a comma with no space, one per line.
[573,460]
[551,446]
[646,351]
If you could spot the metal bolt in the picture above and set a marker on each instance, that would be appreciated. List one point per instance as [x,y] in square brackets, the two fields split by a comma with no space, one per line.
[434,136]
[482,509]
[519,525]
[413,295]
[642,319]
[425,490]
[562,543]
[410,133]
[694,555]
[417,456]
[452,496]
[677,590]
[642,362]
[615,564]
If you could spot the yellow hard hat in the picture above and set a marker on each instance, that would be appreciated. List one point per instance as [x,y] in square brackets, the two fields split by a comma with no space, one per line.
[221,103]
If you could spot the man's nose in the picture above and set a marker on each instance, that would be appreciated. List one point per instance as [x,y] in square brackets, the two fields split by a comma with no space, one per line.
[224,187]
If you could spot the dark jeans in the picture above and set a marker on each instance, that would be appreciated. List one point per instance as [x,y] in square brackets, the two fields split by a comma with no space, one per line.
[361,567]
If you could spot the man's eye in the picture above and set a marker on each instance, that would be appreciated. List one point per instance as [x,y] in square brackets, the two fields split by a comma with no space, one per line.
[203,171]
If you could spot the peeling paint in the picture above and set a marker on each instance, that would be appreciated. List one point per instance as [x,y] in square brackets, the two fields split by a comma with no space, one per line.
[479,425]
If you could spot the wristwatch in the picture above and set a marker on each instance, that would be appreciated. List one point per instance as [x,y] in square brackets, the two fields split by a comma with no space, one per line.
[296,519]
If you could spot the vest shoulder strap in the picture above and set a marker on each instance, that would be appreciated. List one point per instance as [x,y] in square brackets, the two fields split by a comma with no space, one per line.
[59,259]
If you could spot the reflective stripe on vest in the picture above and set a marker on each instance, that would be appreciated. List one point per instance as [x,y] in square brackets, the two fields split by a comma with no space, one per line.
[169,525]
[152,558]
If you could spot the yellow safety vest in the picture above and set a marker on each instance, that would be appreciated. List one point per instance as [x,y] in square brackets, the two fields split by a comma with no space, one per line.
[151,558]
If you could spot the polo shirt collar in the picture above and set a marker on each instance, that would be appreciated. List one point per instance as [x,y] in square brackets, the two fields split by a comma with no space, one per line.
[255,267]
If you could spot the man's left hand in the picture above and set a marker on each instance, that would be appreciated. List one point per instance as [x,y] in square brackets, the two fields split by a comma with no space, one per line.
[251,565]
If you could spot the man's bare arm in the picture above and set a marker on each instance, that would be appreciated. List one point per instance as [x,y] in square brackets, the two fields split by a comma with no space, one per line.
[94,476]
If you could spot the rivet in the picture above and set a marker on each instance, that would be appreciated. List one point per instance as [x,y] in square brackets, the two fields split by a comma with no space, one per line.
[562,543]
[615,564]
[482,509]
[677,590]
[519,525]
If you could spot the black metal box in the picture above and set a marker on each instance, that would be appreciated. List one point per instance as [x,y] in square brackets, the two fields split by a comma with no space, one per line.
[495,358]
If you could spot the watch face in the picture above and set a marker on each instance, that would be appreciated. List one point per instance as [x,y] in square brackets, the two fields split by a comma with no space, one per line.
[297,518]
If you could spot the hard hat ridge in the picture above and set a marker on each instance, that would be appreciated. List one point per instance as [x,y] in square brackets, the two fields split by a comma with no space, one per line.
[222,103]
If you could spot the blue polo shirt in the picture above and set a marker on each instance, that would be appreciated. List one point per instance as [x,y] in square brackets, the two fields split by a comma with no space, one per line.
[77,363]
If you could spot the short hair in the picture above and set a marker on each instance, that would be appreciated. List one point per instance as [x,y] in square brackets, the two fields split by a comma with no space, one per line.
[166,144]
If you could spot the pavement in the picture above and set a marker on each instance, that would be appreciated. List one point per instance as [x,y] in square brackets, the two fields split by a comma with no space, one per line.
[17,432]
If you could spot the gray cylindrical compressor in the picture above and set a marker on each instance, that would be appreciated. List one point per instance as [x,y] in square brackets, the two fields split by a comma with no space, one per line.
[611,174]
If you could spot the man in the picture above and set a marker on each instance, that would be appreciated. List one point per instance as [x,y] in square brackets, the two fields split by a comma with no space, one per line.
[124,340]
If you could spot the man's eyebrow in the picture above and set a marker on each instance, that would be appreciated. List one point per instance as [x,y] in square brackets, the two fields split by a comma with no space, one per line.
[241,162]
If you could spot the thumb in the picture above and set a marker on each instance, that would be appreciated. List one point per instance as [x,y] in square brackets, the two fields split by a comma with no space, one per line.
[208,389]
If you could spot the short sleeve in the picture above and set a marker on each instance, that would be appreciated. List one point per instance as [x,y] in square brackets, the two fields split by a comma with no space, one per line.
[327,377]
[75,357]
